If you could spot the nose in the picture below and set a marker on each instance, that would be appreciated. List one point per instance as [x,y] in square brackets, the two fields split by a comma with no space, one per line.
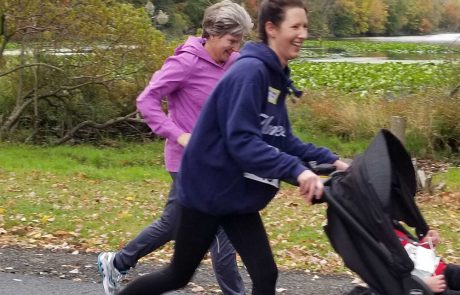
[303,34]
[236,46]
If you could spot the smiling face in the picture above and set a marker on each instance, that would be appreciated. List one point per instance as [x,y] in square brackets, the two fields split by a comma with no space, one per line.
[221,47]
[286,39]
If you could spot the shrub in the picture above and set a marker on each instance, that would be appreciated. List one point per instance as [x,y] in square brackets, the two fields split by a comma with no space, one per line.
[432,118]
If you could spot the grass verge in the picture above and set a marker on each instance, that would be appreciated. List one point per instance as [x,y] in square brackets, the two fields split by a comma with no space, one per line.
[97,199]
[451,179]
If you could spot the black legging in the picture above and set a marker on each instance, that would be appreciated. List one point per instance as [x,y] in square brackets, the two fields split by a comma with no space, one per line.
[223,254]
[195,234]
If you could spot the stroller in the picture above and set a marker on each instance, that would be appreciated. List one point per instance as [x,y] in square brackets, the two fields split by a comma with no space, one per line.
[363,202]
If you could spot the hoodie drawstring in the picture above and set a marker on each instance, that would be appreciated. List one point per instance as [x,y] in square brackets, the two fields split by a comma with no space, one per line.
[293,89]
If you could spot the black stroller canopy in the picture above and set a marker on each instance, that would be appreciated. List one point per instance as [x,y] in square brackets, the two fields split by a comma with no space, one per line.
[389,171]
[378,188]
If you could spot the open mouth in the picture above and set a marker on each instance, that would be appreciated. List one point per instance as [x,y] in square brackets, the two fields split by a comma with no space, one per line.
[297,44]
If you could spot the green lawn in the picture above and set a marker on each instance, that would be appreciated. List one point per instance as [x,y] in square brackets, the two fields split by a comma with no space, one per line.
[451,179]
[95,199]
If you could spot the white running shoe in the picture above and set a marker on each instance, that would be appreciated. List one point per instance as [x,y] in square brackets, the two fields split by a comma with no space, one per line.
[111,277]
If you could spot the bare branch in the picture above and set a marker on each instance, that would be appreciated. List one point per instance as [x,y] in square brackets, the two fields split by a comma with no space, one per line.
[131,117]
[84,84]
[90,77]
[30,65]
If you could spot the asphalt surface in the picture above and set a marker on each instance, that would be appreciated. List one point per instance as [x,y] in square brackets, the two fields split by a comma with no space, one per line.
[15,284]
[18,284]
[45,272]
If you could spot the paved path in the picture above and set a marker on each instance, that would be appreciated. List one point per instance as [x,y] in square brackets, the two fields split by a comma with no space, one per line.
[44,272]
[19,284]
[15,284]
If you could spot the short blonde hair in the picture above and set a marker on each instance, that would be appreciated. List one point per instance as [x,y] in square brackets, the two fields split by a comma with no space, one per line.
[226,17]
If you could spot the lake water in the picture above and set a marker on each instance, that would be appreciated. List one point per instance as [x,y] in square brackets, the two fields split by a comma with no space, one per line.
[449,39]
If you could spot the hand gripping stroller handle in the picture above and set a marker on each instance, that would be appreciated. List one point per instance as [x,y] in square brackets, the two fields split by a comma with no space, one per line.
[323,170]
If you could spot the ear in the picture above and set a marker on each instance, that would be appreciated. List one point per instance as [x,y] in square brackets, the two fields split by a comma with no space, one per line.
[270,29]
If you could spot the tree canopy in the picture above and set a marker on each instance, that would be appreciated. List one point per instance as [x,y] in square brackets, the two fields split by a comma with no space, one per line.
[336,17]
[343,18]
[77,61]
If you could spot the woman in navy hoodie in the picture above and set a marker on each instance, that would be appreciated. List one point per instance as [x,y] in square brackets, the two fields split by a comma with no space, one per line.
[186,79]
[241,146]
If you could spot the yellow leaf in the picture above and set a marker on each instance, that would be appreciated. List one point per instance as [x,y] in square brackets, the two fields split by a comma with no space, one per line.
[45,218]
[124,214]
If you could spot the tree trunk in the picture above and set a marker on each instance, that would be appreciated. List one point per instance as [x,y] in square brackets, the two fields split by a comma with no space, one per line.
[13,118]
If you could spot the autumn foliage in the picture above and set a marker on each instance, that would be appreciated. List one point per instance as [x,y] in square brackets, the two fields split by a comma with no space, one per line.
[74,61]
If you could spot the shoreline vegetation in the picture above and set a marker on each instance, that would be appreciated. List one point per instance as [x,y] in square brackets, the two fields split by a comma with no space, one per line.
[365,95]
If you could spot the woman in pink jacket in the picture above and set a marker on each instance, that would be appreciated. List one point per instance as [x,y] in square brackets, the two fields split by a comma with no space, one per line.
[185,80]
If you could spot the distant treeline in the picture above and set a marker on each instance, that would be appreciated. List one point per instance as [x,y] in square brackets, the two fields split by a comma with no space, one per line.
[329,18]
[70,70]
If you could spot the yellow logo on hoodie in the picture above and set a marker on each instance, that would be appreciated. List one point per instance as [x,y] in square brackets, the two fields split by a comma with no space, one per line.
[273,95]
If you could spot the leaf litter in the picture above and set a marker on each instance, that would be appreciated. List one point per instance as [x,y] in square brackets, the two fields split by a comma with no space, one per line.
[48,211]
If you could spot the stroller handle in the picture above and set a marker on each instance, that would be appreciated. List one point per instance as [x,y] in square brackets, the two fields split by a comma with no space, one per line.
[325,171]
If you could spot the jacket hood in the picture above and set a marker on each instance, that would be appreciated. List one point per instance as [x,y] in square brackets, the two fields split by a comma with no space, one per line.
[264,53]
[194,45]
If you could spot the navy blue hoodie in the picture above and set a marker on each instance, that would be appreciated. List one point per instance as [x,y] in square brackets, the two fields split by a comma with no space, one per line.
[242,143]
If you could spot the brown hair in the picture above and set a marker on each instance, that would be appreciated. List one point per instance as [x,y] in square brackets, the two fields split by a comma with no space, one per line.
[274,11]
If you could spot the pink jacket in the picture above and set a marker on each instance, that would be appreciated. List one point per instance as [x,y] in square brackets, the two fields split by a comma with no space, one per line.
[186,79]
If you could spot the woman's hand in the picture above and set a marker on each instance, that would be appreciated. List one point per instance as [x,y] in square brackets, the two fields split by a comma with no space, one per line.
[432,235]
[341,165]
[183,139]
[310,185]
[437,284]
